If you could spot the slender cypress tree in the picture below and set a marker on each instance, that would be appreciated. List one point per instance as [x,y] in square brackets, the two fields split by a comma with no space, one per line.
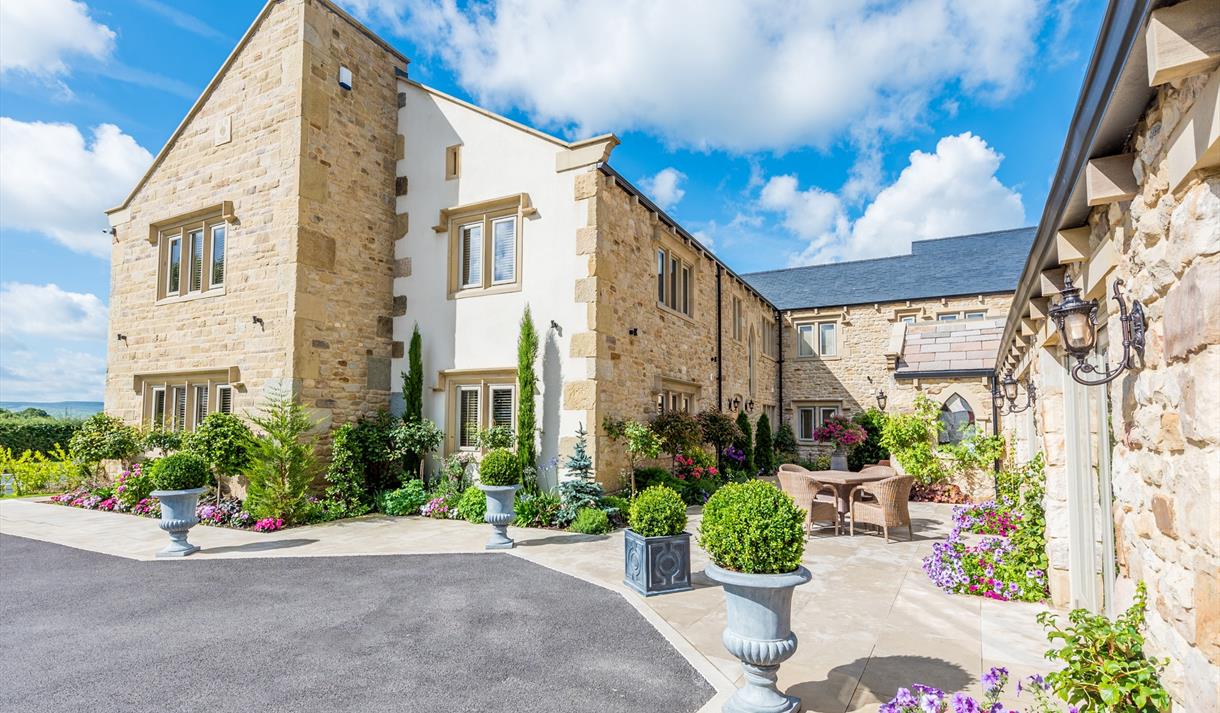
[413,381]
[764,450]
[745,442]
[527,380]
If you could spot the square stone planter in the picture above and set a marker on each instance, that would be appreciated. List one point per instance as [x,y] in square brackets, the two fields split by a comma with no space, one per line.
[656,565]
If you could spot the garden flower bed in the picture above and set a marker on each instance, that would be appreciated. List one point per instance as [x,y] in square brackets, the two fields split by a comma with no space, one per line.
[228,513]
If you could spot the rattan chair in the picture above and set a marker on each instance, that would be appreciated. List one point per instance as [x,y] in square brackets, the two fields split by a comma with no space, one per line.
[804,492]
[890,509]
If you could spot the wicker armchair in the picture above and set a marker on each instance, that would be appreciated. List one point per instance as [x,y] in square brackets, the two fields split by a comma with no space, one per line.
[890,509]
[804,492]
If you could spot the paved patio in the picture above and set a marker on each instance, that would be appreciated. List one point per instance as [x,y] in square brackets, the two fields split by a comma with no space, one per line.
[868,623]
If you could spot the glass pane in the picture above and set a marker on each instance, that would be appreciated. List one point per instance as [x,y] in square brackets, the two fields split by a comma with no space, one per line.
[804,340]
[828,344]
[504,250]
[949,317]
[806,424]
[686,290]
[218,256]
[224,396]
[173,270]
[908,319]
[674,268]
[179,399]
[502,406]
[201,403]
[661,276]
[976,315]
[826,413]
[468,417]
[158,408]
[196,260]
[472,255]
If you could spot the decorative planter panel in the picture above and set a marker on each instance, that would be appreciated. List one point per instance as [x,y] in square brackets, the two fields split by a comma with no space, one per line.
[656,565]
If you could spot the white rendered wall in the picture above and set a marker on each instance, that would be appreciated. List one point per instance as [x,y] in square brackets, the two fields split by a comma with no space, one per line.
[480,332]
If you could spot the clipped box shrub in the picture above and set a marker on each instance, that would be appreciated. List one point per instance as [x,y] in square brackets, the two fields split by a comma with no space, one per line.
[180,471]
[657,512]
[472,506]
[753,528]
[590,521]
[500,467]
[406,500]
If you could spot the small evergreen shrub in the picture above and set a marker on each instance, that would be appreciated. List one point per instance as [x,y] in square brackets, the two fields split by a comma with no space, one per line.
[283,461]
[540,510]
[753,528]
[657,512]
[785,445]
[103,437]
[472,505]
[500,467]
[407,500]
[745,442]
[590,521]
[870,451]
[764,447]
[575,495]
[180,471]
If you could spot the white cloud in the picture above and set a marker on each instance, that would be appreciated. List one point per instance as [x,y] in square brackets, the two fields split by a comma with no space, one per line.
[665,188]
[38,36]
[49,311]
[51,182]
[741,75]
[952,191]
[55,374]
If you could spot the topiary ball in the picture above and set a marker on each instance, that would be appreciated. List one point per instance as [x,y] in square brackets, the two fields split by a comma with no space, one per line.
[753,528]
[180,471]
[657,512]
[500,467]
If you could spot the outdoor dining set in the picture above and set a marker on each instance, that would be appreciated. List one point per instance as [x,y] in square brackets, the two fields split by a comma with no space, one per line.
[876,495]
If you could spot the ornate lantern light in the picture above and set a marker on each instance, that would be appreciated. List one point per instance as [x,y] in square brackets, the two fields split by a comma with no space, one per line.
[881,399]
[1004,394]
[1076,321]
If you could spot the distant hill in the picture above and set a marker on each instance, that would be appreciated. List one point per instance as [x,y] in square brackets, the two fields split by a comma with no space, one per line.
[73,409]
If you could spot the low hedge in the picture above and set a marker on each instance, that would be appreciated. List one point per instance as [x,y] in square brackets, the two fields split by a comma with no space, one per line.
[590,521]
[35,433]
[753,528]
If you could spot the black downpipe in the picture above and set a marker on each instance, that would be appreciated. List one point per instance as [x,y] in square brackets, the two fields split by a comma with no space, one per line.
[779,368]
[995,431]
[719,354]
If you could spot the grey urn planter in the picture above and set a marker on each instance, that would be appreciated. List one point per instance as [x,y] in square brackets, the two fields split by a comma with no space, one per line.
[759,634]
[500,501]
[838,460]
[178,517]
[656,565]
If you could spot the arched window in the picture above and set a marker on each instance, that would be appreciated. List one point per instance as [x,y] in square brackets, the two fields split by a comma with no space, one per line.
[957,419]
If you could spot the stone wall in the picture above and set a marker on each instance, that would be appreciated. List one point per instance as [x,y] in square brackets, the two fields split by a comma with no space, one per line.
[1166,415]
[667,350]
[308,169]
[852,379]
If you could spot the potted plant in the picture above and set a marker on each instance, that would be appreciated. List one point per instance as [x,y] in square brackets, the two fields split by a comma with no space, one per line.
[844,434]
[754,535]
[656,551]
[499,476]
[178,481]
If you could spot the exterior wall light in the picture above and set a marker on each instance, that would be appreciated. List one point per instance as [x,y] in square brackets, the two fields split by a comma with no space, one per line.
[881,399]
[1076,321]
[1004,395]
[750,406]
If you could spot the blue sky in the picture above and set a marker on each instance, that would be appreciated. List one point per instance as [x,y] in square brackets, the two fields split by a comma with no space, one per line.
[780,133]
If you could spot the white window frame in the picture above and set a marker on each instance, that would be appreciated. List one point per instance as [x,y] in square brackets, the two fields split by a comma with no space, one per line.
[181,235]
[155,420]
[196,259]
[805,350]
[675,282]
[458,411]
[179,410]
[473,279]
[818,411]
[834,333]
[223,229]
[224,389]
[908,318]
[172,241]
[196,391]
[800,423]
[512,220]
[512,408]
[975,314]
[949,317]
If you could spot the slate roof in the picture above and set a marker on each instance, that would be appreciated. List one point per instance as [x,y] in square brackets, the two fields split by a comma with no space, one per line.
[984,263]
[960,345]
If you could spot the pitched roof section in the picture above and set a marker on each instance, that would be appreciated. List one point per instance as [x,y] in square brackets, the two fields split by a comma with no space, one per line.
[949,346]
[984,263]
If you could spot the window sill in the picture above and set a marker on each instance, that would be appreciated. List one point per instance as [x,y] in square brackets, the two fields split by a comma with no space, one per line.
[214,292]
[670,310]
[467,292]
[816,357]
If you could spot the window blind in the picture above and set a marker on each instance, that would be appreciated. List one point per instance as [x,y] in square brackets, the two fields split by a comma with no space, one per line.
[224,399]
[504,250]
[179,399]
[173,273]
[472,255]
[218,256]
[502,406]
[158,408]
[196,260]
[468,418]
[201,403]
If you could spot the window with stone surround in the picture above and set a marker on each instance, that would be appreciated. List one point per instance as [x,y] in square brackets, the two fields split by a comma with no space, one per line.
[677,395]
[485,246]
[674,282]
[949,316]
[738,318]
[477,401]
[191,252]
[811,416]
[180,401]
[817,339]
[976,314]
[770,343]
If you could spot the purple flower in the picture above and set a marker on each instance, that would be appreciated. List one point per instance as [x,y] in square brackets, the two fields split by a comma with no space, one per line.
[963,703]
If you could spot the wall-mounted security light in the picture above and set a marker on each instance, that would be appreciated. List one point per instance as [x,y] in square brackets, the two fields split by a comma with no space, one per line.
[120,337]
[1076,321]
[345,77]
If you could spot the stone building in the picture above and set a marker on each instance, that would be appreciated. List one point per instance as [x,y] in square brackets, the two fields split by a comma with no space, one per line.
[1133,462]
[927,322]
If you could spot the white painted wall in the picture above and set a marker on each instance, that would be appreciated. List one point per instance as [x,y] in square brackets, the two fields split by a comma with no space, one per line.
[497,160]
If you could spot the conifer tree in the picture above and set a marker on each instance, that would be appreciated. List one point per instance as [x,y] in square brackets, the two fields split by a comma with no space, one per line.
[744,442]
[413,381]
[764,450]
[527,380]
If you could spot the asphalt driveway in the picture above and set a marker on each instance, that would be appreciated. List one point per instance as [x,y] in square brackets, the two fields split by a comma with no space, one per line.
[80,631]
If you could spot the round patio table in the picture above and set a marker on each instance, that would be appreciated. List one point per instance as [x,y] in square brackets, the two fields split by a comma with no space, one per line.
[843,481]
